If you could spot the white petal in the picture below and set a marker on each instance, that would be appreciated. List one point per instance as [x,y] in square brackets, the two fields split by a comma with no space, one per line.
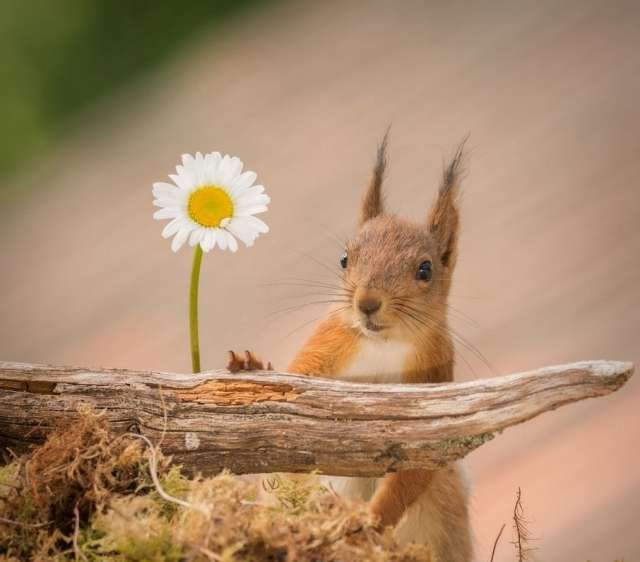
[199,168]
[183,180]
[249,193]
[176,194]
[235,168]
[187,160]
[244,181]
[164,189]
[221,175]
[242,231]
[189,171]
[208,240]
[212,160]
[248,211]
[228,169]
[172,227]
[177,205]
[233,245]
[167,213]
[252,199]
[180,238]
[196,236]
[256,223]
[166,202]
[221,238]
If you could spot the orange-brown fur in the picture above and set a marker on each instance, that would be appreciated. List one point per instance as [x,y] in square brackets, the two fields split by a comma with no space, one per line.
[381,271]
[329,348]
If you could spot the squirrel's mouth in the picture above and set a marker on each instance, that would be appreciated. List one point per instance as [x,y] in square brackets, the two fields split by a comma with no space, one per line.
[373,327]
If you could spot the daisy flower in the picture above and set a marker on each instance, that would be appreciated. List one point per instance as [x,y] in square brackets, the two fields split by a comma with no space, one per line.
[211,202]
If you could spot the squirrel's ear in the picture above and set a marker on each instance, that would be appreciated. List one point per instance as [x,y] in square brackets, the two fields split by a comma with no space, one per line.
[443,221]
[372,202]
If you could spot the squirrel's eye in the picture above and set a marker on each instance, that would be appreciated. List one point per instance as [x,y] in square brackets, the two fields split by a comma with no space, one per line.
[424,272]
[343,259]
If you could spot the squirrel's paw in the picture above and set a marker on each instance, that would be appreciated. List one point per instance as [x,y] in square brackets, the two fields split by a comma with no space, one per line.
[246,362]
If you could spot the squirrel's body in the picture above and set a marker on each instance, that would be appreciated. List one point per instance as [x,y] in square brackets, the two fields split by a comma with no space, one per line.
[438,515]
[393,329]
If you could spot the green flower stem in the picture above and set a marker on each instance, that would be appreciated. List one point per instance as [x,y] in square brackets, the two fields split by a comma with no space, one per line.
[193,309]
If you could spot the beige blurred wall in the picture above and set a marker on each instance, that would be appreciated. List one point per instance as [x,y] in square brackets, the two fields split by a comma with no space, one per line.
[303,91]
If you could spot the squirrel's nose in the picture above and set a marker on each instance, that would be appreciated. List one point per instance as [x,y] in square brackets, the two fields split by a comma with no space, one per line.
[369,305]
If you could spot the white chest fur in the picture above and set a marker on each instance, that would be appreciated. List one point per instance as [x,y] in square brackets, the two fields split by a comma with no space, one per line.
[377,361]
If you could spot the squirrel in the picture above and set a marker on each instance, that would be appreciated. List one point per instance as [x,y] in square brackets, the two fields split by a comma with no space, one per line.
[393,329]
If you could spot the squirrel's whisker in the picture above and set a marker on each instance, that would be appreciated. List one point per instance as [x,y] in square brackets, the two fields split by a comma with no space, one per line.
[318,294]
[460,315]
[303,283]
[467,345]
[432,324]
[334,271]
[304,305]
[331,313]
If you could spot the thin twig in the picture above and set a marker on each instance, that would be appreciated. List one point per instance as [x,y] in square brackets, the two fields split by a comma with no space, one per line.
[153,470]
[76,530]
[208,553]
[27,525]
[495,543]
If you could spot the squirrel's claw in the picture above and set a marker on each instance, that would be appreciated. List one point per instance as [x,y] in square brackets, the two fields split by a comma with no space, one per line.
[247,363]
[236,363]
[252,363]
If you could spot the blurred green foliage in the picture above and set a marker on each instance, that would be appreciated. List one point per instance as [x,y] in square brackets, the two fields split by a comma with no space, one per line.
[59,56]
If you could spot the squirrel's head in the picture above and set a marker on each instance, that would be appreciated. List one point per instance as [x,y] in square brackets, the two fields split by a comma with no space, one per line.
[398,273]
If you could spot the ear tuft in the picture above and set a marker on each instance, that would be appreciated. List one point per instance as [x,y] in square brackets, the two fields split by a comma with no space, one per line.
[372,203]
[443,221]
[455,170]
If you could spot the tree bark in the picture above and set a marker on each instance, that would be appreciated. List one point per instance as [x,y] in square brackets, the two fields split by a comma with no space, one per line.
[263,421]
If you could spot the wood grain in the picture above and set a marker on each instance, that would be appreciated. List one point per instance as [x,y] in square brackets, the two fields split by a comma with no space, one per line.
[263,421]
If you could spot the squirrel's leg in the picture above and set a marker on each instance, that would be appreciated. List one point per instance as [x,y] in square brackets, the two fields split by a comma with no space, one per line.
[435,504]
[331,346]
[397,492]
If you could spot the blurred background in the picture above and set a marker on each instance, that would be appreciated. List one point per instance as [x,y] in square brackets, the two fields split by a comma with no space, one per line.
[99,99]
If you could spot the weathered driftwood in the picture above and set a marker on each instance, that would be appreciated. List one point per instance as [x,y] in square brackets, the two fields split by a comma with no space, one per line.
[267,421]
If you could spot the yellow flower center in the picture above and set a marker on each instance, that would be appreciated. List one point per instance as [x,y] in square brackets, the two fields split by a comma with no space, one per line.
[210,205]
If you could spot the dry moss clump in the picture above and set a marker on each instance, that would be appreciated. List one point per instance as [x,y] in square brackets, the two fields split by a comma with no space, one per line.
[87,495]
[72,475]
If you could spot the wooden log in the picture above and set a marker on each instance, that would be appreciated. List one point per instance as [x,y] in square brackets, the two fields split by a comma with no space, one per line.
[267,421]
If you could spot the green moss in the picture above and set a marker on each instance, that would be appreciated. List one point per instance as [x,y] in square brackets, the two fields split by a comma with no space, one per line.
[176,485]
[89,543]
[136,530]
[8,475]
[293,494]
[464,444]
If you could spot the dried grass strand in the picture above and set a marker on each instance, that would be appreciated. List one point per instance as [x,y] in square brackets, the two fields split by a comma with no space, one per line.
[76,531]
[521,529]
[153,471]
[495,543]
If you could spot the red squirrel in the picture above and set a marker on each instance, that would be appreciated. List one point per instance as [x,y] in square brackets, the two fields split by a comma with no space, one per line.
[393,329]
